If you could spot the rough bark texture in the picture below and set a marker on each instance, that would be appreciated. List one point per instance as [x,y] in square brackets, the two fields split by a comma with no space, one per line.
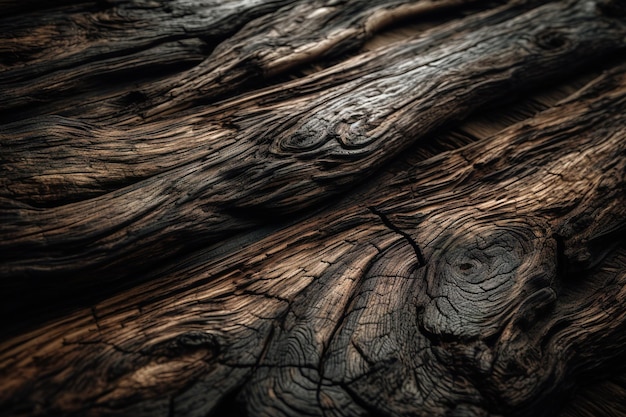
[204,236]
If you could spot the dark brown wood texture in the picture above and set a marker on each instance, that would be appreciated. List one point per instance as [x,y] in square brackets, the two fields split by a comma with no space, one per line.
[188,230]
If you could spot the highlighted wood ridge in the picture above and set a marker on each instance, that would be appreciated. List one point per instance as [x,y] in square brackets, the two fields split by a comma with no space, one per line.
[273,37]
[295,34]
[185,243]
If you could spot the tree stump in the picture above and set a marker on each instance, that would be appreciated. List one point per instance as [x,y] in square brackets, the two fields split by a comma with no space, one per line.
[320,208]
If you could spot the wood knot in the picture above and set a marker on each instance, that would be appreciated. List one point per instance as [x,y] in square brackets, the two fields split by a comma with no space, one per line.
[188,343]
[352,132]
[133,97]
[309,136]
[348,133]
[551,39]
[476,276]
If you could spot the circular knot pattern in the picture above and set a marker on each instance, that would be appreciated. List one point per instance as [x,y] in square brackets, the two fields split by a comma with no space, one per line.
[479,276]
[336,134]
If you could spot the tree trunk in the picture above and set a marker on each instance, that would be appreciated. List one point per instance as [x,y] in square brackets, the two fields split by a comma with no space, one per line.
[236,208]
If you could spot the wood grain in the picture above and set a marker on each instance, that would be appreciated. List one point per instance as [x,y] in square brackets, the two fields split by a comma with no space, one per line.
[80,196]
[514,296]
[252,208]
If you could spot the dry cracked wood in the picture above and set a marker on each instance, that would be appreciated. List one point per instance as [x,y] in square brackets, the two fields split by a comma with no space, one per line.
[274,43]
[70,35]
[46,52]
[199,177]
[280,39]
[489,280]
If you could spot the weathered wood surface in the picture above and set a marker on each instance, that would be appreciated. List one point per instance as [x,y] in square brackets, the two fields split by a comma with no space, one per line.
[480,284]
[489,279]
[200,176]
[268,45]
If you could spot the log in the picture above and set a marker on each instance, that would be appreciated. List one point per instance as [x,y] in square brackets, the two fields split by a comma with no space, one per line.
[338,244]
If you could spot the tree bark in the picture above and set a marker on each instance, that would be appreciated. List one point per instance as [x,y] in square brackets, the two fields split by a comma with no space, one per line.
[255,277]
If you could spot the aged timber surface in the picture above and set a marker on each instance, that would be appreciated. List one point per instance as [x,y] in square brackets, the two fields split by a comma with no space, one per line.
[335,244]
[194,178]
